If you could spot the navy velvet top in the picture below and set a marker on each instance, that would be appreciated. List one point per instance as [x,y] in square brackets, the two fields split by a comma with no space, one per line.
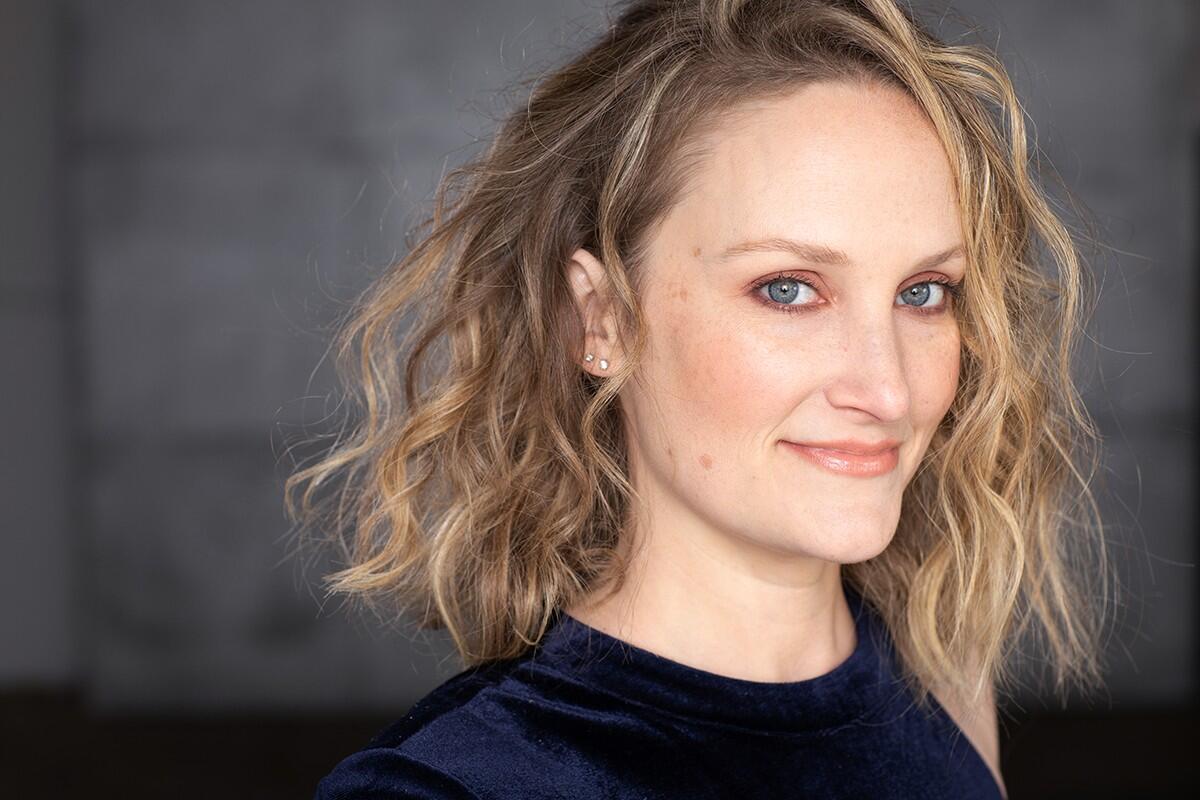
[587,715]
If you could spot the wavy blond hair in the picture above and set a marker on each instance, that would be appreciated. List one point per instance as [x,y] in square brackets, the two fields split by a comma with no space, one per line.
[480,479]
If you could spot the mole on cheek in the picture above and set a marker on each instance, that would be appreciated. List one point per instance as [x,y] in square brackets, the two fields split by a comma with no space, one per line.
[706,460]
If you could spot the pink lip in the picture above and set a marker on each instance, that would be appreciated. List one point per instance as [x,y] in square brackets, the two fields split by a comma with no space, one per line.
[845,463]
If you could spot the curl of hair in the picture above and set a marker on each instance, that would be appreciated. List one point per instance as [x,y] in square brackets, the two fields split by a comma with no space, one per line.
[494,489]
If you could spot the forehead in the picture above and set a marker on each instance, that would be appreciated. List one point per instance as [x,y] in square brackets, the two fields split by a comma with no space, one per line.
[854,164]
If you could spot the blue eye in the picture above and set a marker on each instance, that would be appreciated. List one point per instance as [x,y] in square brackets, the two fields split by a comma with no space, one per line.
[919,293]
[783,289]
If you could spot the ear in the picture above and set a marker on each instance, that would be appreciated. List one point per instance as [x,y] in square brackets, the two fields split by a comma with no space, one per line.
[588,280]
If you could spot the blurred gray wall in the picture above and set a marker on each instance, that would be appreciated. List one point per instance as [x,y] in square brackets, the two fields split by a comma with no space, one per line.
[192,189]
[38,491]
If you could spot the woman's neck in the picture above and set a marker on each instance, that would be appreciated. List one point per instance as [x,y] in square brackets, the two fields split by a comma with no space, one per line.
[702,603]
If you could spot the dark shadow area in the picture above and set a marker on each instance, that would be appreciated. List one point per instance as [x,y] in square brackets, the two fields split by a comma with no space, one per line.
[62,750]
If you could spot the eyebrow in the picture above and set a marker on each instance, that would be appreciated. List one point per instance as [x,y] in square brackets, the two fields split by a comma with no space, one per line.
[823,254]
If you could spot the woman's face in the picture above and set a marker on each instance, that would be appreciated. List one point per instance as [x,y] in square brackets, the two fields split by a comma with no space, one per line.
[742,358]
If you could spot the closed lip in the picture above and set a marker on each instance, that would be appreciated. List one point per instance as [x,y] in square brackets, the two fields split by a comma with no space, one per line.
[853,446]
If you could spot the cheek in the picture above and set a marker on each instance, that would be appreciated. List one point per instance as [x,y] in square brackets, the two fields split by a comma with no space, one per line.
[935,376]
[727,384]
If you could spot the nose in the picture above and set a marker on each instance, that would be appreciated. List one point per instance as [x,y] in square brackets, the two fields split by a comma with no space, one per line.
[870,372]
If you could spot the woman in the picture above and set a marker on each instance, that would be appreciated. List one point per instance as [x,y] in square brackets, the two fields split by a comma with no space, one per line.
[754,446]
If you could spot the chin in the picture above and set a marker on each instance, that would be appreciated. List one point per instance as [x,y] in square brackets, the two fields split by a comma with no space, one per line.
[854,545]
[864,554]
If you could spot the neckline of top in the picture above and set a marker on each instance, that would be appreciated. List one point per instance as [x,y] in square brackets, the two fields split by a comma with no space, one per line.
[849,691]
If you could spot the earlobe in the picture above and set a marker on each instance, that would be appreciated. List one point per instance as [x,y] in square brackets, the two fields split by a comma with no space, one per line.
[590,357]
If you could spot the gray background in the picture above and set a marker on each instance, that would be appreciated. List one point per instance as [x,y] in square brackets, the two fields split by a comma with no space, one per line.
[192,190]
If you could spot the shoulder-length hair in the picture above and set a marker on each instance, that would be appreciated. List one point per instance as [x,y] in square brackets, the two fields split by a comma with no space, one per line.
[482,481]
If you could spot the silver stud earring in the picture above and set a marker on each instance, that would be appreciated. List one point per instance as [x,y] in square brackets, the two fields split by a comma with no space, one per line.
[603,362]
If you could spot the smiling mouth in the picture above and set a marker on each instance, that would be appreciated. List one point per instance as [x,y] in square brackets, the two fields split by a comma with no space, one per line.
[843,463]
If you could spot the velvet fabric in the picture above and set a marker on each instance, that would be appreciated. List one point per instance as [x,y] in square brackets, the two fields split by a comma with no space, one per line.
[587,715]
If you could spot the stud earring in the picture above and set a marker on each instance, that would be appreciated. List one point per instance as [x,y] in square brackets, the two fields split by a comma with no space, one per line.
[603,362]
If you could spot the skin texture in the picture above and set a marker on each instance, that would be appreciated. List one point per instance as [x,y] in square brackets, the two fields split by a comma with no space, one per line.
[739,541]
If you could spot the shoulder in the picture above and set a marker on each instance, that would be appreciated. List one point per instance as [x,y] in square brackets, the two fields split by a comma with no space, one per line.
[383,773]
[402,760]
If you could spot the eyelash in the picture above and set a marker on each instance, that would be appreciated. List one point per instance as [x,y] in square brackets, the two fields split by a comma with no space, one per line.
[953,289]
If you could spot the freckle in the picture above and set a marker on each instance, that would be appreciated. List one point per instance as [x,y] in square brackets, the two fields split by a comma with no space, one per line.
[706,461]
[682,293]
[696,251]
